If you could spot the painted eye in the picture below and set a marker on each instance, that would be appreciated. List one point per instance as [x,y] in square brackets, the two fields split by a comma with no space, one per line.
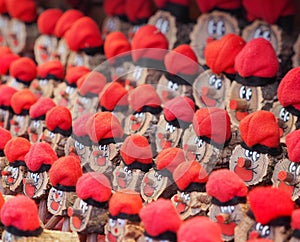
[112,222]
[284,115]
[51,134]
[258,33]
[147,239]
[220,28]
[292,167]
[186,197]
[175,87]
[60,193]
[265,231]
[218,84]
[36,124]
[223,209]
[76,144]
[267,35]
[258,227]
[78,61]
[121,222]
[170,85]
[196,140]
[200,143]
[141,115]
[81,146]
[248,94]
[125,169]
[172,129]
[212,79]
[83,206]
[137,115]
[35,177]
[155,174]
[248,153]
[255,156]
[137,73]
[211,27]
[84,100]
[242,93]
[159,177]
[231,209]
[298,171]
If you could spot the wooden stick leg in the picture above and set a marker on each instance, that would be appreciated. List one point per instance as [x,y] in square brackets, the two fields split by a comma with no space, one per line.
[53,221]
[66,225]
[92,238]
[43,210]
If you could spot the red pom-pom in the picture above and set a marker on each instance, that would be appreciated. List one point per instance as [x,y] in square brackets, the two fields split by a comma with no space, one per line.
[24,69]
[59,117]
[16,149]
[22,100]
[5,137]
[74,73]
[47,20]
[24,10]
[91,83]
[6,93]
[169,159]
[41,107]
[53,68]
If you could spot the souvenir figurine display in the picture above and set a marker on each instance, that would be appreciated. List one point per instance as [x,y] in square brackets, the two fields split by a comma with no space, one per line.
[6,111]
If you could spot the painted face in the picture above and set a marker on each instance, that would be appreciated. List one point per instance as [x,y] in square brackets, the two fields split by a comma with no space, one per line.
[260,29]
[100,158]
[35,184]
[242,101]
[110,24]
[64,95]
[251,166]
[42,87]
[115,229]
[3,29]
[82,59]
[274,233]
[136,76]
[84,105]
[138,123]
[19,125]
[62,52]
[59,145]
[286,175]
[13,177]
[211,27]
[167,134]
[35,130]
[16,36]
[209,90]
[4,118]
[44,47]
[153,185]
[79,214]
[56,202]
[227,217]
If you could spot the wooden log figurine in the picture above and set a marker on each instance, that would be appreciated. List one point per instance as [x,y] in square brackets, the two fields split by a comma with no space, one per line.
[229,201]
[6,111]
[182,69]
[146,109]
[37,113]
[287,94]
[49,75]
[286,172]
[269,220]
[177,116]
[46,43]
[65,93]
[22,27]
[254,159]
[106,134]
[22,71]
[114,98]
[63,176]
[58,128]
[7,57]
[86,47]
[136,156]
[161,221]
[209,140]
[124,223]
[255,86]
[198,228]
[158,181]
[17,227]
[62,25]
[89,214]
[211,26]
[13,174]
[90,85]
[36,186]
[295,226]
[191,198]
[147,67]
[4,20]
[5,137]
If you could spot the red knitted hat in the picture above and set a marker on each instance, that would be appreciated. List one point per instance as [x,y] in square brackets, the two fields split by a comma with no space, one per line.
[84,34]
[207,6]
[160,217]
[296,219]
[189,172]
[73,73]
[22,100]
[220,54]
[124,203]
[3,8]
[91,83]
[225,185]
[147,38]
[268,10]
[51,70]
[116,44]
[59,117]
[198,229]
[182,60]
[292,141]
[263,205]
[16,149]
[5,137]
[260,128]
[65,172]
[116,7]
[287,91]
[65,22]
[95,186]
[104,125]
[180,108]
[143,95]
[20,214]
[47,20]
[79,125]
[256,60]
[23,69]
[169,159]
[162,3]
[5,62]
[24,10]
[136,148]
[41,107]
[40,156]
[138,10]
[6,93]
[114,94]
[213,124]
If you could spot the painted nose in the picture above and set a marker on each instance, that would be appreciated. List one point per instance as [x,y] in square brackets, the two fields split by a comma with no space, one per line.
[238,105]
[243,162]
